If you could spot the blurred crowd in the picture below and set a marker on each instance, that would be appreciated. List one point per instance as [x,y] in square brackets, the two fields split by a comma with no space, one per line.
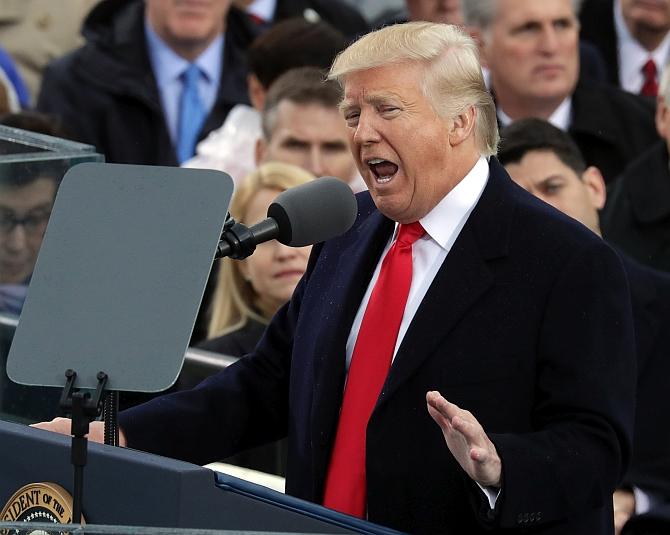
[582,92]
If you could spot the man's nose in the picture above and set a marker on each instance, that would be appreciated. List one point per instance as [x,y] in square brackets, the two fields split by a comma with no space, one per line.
[549,40]
[366,131]
[316,162]
[16,239]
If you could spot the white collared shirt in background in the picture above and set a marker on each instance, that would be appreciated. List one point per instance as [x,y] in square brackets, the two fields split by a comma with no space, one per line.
[633,56]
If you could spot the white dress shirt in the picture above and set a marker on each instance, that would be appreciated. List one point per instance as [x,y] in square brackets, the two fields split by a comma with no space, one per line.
[633,56]
[263,9]
[561,117]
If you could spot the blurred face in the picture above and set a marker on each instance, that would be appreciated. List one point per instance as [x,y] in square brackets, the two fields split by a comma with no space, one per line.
[544,175]
[439,11]
[401,146]
[24,213]
[649,15]
[187,23]
[310,136]
[274,269]
[532,52]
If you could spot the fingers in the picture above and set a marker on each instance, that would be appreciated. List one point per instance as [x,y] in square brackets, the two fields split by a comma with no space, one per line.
[450,417]
[439,403]
[57,425]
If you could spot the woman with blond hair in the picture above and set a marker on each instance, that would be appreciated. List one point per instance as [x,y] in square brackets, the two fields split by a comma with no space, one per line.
[248,292]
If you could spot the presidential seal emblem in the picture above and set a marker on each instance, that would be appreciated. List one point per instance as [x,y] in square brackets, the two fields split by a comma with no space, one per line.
[39,502]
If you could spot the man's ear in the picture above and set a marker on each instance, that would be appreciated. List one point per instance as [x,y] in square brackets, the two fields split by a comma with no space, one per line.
[256,92]
[462,126]
[260,150]
[595,184]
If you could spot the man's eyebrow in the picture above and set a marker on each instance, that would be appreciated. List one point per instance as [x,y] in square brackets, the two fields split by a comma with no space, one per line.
[293,140]
[374,99]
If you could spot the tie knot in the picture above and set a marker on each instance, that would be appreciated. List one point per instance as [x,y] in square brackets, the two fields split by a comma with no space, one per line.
[191,74]
[649,69]
[408,234]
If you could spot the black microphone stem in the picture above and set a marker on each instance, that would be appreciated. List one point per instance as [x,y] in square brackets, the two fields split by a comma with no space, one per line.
[239,241]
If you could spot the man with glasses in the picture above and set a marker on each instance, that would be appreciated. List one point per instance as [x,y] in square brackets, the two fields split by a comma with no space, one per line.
[25,206]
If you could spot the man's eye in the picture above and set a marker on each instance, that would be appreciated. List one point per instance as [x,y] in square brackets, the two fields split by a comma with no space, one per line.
[352,118]
[526,28]
[563,24]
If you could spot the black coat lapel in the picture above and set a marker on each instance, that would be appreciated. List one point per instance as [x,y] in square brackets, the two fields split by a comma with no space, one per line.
[463,278]
[351,276]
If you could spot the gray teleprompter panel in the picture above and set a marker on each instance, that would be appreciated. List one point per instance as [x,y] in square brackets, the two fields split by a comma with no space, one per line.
[120,276]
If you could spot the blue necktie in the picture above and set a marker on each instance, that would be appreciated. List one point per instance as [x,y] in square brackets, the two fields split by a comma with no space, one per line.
[191,114]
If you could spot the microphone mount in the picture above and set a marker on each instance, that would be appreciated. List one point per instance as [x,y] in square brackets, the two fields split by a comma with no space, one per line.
[239,241]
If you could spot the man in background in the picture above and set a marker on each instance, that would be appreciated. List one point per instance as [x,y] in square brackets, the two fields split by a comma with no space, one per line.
[633,37]
[302,125]
[531,49]
[152,79]
[637,213]
[546,162]
[26,198]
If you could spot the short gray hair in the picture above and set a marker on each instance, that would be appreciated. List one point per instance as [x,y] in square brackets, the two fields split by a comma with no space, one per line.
[453,80]
[480,13]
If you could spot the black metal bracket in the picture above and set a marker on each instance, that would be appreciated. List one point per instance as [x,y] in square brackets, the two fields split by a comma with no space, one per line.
[83,408]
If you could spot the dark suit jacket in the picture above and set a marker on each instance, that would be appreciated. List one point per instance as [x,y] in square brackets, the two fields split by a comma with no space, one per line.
[527,324]
[611,127]
[637,213]
[596,18]
[650,296]
[106,95]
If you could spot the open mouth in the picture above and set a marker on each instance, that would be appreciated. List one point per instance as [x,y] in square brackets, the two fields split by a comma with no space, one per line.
[383,170]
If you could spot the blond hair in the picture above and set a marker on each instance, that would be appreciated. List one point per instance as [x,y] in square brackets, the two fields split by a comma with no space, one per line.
[453,81]
[234,297]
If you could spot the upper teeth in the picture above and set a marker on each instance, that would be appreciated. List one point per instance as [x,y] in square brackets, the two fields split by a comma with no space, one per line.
[375,161]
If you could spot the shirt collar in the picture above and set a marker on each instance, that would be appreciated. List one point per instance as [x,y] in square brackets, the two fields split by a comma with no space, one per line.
[263,9]
[167,65]
[560,118]
[444,221]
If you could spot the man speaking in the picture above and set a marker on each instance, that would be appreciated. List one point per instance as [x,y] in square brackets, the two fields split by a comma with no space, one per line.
[462,359]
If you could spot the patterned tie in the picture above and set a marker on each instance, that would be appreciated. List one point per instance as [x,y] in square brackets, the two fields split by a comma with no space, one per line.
[345,488]
[191,114]
[650,85]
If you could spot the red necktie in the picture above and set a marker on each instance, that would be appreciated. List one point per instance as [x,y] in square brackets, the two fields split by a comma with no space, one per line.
[650,85]
[258,21]
[345,488]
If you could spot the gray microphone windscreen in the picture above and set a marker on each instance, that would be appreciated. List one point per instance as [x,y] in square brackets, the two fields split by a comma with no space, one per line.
[314,212]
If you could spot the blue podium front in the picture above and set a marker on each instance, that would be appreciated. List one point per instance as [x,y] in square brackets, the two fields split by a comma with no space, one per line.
[131,488]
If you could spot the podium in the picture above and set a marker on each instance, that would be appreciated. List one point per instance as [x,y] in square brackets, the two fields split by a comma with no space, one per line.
[131,488]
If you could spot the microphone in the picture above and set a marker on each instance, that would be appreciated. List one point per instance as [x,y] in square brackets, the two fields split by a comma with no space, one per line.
[303,215]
